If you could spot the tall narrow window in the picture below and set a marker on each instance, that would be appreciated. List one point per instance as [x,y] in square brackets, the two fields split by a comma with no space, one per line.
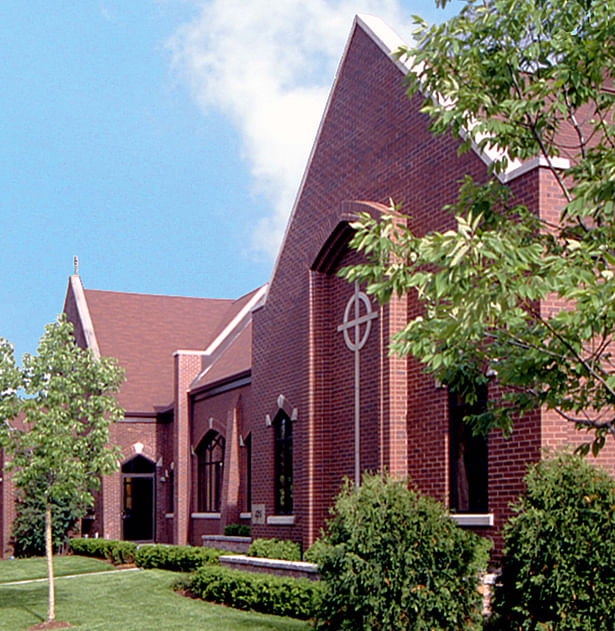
[210,454]
[468,479]
[171,491]
[248,445]
[283,464]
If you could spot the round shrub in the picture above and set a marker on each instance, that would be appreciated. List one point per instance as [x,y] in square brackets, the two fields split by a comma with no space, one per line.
[396,561]
[316,551]
[558,572]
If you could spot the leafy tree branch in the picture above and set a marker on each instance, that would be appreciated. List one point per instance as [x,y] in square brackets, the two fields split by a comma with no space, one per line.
[507,289]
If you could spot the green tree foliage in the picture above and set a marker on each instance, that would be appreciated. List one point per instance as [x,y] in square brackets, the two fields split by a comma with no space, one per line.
[393,559]
[512,77]
[60,446]
[558,571]
[10,382]
[28,529]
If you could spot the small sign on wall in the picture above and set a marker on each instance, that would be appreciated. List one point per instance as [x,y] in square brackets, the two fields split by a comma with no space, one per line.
[258,513]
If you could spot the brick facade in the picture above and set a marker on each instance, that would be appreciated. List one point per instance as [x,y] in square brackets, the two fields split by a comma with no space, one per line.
[199,369]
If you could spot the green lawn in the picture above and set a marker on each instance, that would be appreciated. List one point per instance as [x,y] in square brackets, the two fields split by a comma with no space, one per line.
[23,569]
[128,601]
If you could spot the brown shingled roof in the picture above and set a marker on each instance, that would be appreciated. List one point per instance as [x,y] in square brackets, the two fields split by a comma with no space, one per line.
[237,358]
[233,310]
[143,331]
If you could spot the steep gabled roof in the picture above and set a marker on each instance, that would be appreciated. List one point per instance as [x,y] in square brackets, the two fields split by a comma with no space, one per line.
[143,331]
[388,41]
[384,38]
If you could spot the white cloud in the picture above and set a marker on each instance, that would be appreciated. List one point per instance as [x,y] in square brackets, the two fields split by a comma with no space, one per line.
[268,66]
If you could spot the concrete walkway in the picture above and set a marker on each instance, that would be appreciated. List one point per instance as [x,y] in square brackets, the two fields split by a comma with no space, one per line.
[57,578]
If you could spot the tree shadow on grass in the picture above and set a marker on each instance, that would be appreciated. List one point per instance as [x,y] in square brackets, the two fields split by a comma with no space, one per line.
[32,599]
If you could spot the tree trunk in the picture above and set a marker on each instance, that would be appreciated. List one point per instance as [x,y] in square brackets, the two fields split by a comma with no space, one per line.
[49,552]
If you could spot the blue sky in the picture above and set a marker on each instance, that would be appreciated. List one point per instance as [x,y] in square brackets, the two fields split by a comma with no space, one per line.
[160,141]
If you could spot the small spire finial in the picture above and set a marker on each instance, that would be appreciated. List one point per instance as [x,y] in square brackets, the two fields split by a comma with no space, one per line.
[76,265]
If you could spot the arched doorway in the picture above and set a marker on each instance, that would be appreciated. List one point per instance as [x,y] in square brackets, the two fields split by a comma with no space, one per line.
[138,502]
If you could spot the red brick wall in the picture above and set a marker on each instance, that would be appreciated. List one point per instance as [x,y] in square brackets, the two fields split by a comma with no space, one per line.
[128,436]
[7,509]
[555,430]
[187,367]
[333,409]
[373,145]
[223,413]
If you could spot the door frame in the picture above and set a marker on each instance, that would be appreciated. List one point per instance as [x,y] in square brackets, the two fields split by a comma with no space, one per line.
[152,477]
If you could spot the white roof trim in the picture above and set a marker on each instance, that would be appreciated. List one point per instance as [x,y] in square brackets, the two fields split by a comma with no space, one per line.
[389,41]
[383,35]
[228,329]
[84,314]
[188,351]
[213,352]
[515,172]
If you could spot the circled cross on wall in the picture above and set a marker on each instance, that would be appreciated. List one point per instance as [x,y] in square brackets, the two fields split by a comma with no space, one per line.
[356,317]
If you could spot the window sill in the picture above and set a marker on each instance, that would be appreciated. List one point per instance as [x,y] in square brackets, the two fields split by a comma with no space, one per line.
[245,515]
[205,515]
[281,520]
[466,519]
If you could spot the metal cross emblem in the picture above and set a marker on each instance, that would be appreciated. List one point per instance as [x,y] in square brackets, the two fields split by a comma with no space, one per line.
[354,304]
[355,341]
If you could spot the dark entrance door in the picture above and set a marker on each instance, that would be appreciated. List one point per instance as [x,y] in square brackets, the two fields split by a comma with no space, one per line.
[138,499]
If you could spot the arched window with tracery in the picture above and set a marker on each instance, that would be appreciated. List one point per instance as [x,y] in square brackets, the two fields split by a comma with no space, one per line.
[210,465]
[283,464]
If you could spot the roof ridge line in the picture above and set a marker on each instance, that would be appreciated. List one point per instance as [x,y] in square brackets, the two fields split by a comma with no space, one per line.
[171,296]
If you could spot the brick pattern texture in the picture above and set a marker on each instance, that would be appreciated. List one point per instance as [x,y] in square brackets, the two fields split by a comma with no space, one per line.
[373,145]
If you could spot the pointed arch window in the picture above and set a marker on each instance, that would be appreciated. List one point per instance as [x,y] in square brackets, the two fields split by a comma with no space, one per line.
[210,465]
[283,463]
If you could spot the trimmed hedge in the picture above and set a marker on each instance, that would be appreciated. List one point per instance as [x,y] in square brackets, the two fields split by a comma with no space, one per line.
[154,555]
[237,530]
[275,549]
[115,551]
[175,558]
[278,595]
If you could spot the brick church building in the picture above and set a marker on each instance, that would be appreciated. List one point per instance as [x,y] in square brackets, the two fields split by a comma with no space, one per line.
[254,410]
